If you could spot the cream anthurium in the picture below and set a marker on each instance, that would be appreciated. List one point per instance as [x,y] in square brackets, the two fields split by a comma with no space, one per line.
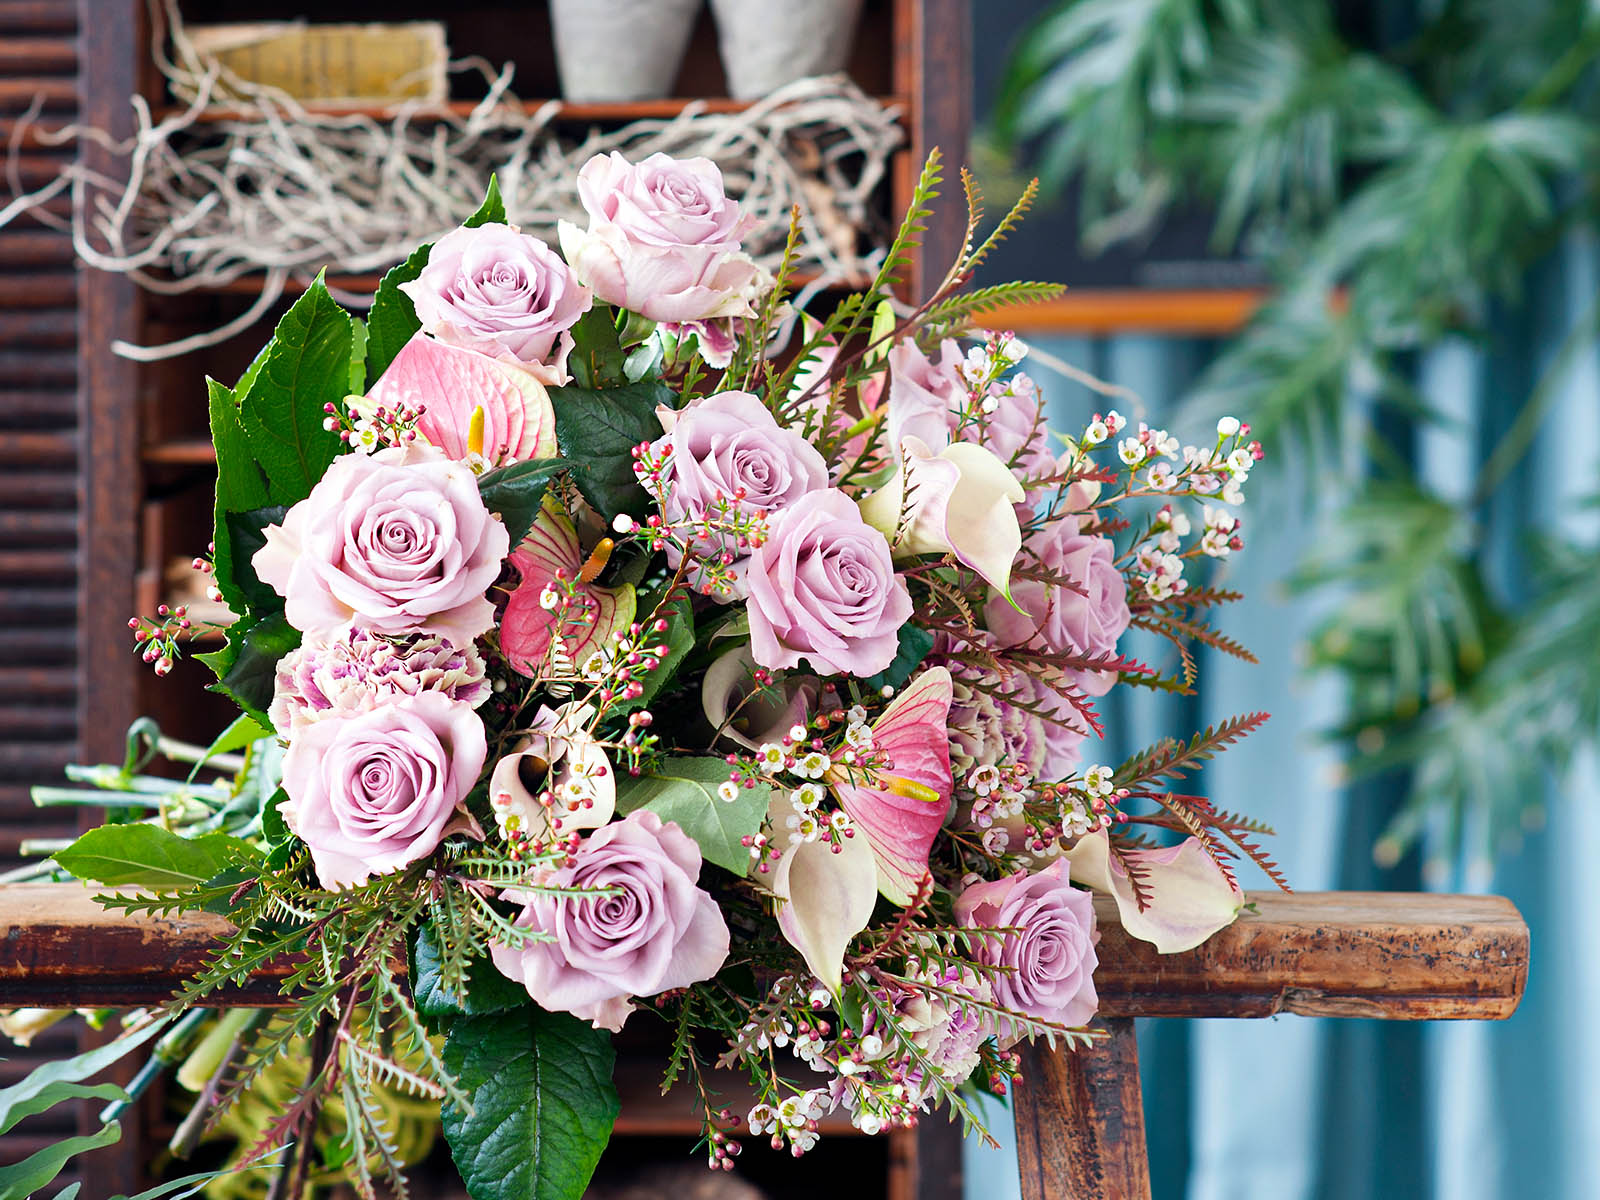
[826,897]
[561,756]
[958,501]
[1188,897]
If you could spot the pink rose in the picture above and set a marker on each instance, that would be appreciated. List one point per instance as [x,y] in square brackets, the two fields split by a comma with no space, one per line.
[502,292]
[1059,619]
[1050,956]
[372,792]
[658,932]
[395,542]
[663,240]
[730,446]
[925,398]
[823,587]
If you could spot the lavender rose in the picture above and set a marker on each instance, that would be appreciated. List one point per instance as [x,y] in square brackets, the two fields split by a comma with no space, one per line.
[372,792]
[499,291]
[729,445]
[823,587]
[658,932]
[395,542]
[358,671]
[1059,619]
[1051,955]
[663,240]
[925,397]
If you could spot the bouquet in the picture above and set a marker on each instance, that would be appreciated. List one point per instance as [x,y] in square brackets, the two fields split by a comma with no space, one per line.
[602,662]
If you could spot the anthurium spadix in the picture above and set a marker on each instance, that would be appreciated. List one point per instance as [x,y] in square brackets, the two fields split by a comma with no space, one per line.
[447,383]
[900,807]
[1188,898]
[958,501]
[554,620]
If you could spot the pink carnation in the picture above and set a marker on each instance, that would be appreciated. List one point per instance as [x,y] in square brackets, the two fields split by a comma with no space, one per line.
[396,542]
[1050,956]
[823,588]
[357,671]
[1011,718]
[371,792]
[657,932]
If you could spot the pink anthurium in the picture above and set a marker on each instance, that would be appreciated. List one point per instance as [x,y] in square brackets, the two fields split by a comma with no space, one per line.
[958,501]
[558,755]
[529,632]
[904,812]
[826,898]
[1188,897]
[448,382]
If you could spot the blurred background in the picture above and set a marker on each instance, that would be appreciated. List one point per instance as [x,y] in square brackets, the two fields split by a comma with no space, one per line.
[1366,227]
[1411,186]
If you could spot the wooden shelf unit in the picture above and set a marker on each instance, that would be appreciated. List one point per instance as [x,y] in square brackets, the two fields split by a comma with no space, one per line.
[146,470]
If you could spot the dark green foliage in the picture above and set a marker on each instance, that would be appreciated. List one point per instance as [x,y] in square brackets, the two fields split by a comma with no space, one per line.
[487,990]
[542,1103]
[247,533]
[598,431]
[251,659]
[915,642]
[515,492]
[393,318]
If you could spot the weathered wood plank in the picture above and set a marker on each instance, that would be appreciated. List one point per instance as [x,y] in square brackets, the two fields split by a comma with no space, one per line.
[1080,1120]
[1401,956]
[1398,956]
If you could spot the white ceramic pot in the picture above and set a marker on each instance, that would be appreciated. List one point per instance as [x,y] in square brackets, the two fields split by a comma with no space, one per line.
[620,49]
[768,43]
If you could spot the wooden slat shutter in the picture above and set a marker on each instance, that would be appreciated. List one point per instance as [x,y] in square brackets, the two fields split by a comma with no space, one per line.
[40,457]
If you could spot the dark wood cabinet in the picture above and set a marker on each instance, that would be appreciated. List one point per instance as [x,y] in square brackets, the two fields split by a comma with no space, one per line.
[106,471]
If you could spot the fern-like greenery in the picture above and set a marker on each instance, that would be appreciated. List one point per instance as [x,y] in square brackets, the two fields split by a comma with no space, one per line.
[1399,186]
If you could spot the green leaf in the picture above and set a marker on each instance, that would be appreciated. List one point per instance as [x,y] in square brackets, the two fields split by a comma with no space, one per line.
[70,1070]
[515,492]
[149,856]
[915,642]
[393,318]
[21,1180]
[307,366]
[52,1094]
[236,736]
[543,1103]
[247,533]
[251,668]
[273,827]
[358,356]
[492,211]
[240,484]
[685,790]
[488,991]
[597,431]
[597,359]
